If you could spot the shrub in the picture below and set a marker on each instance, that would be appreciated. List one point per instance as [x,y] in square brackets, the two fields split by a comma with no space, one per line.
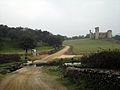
[104,59]
[5,58]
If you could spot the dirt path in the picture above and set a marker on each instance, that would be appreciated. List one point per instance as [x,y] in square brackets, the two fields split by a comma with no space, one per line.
[30,78]
[54,56]
[33,78]
[57,54]
[69,56]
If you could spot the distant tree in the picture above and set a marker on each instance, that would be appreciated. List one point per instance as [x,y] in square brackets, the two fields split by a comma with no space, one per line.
[87,36]
[0,43]
[27,42]
[19,36]
[117,37]
[55,41]
[1,35]
[66,38]
[62,38]
[3,30]
[76,37]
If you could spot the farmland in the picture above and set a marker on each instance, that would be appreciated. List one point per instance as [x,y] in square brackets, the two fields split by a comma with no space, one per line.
[82,46]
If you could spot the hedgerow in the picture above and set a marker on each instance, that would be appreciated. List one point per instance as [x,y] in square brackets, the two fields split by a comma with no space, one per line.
[6,58]
[105,59]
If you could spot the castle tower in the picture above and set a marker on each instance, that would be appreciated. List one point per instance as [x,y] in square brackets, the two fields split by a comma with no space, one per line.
[96,32]
[90,34]
[109,34]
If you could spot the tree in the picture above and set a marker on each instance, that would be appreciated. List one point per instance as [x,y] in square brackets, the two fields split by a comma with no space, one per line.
[21,36]
[3,30]
[27,42]
[117,37]
[0,43]
[55,41]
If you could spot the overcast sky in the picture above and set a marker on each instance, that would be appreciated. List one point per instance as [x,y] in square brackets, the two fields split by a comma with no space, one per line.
[65,17]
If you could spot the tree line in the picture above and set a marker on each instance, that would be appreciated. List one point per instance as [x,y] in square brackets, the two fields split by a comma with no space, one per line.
[117,37]
[27,38]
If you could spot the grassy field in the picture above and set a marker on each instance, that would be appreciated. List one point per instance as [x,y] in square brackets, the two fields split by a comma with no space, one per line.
[9,47]
[81,46]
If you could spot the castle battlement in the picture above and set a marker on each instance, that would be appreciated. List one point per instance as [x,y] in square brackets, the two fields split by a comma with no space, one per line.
[100,35]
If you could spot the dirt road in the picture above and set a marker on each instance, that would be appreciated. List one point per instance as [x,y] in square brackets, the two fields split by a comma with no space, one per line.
[30,78]
[33,78]
[55,55]
[69,56]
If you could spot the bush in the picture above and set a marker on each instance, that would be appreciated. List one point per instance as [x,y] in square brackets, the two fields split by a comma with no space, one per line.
[104,59]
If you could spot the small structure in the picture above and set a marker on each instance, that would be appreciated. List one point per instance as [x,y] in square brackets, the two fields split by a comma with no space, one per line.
[34,52]
[100,35]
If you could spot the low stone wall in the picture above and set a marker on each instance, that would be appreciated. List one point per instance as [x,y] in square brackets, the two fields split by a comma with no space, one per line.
[10,68]
[109,73]
[94,78]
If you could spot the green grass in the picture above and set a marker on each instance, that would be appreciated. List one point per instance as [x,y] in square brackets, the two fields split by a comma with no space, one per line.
[53,70]
[81,46]
[56,72]
[43,48]
[9,47]
[8,64]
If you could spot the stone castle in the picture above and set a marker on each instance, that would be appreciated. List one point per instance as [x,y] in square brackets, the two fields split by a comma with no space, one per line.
[100,35]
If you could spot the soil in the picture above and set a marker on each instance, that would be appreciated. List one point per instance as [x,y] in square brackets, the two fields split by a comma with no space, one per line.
[70,56]
[31,78]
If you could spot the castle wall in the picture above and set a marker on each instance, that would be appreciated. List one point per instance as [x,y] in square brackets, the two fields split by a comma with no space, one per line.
[102,35]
